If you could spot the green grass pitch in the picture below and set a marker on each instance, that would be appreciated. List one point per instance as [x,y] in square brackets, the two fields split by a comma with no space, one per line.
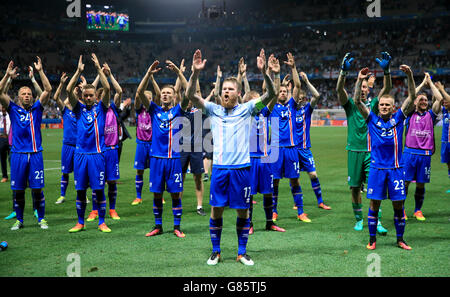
[328,246]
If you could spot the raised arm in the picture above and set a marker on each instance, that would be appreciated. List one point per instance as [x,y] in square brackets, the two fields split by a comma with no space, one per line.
[10,72]
[274,66]
[118,95]
[198,64]
[311,88]
[271,92]
[340,87]
[73,100]
[408,105]
[217,97]
[422,85]
[45,95]
[156,89]
[96,80]
[363,74]
[445,95]
[57,95]
[140,93]
[295,77]
[182,82]
[106,98]
[384,63]
[241,65]
[36,86]
[436,108]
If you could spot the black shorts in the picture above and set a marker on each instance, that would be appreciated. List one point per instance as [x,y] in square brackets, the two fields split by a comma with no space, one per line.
[208,156]
[195,159]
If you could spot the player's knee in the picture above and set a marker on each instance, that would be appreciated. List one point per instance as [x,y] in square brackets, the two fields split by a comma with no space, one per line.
[216,212]
[397,205]
[242,213]
[312,175]
[294,182]
[420,185]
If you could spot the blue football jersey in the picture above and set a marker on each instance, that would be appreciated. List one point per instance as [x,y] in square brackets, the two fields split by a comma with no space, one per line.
[386,140]
[90,128]
[26,127]
[282,119]
[445,120]
[165,125]
[70,127]
[259,134]
[303,124]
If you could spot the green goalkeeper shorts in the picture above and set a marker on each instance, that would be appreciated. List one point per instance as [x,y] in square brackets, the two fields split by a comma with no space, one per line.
[358,168]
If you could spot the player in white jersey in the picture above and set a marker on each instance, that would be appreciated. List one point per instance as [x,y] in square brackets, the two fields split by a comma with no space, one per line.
[230,126]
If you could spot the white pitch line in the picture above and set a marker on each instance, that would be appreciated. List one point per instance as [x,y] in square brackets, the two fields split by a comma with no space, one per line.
[46,169]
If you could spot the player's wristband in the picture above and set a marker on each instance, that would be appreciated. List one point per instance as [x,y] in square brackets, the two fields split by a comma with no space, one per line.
[344,73]
[33,80]
[387,71]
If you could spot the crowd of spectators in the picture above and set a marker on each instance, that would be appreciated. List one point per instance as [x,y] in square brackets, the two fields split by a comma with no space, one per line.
[420,43]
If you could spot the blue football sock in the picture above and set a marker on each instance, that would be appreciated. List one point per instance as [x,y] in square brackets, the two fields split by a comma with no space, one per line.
[372,221]
[64,184]
[275,199]
[242,230]
[19,205]
[81,205]
[268,208]
[315,184]
[34,202]
[419,196]
[94,201]
[399,222]
[39,202]
[139,185]
[112,195]
[177,210]
[298,198]
[215,233]
[157,211]
[101,205]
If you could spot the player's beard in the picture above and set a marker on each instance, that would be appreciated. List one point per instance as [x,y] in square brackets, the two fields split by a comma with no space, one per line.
[229,101]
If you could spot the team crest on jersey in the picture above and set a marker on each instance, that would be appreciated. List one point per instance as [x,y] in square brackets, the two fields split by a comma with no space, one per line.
[159,115]
[378,124]
[392,121]
[84,109]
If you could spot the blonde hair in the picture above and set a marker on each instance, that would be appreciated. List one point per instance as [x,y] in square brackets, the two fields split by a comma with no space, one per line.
[235,81]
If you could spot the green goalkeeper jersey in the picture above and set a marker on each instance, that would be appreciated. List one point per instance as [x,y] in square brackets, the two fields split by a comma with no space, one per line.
[357,133]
